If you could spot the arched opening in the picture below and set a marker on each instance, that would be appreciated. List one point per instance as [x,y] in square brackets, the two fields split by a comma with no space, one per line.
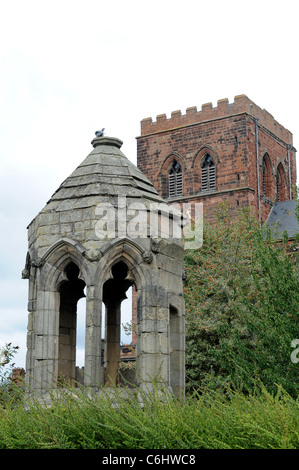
[266,176]
[114,293]
[175,180]
[80,333]
[280,184]
[208,174]
[126,318]
[71,291]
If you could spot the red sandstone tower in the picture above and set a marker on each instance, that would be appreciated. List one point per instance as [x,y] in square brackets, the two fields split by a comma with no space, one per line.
[234,152]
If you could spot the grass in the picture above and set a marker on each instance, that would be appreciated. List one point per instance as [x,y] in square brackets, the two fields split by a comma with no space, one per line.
[205,420]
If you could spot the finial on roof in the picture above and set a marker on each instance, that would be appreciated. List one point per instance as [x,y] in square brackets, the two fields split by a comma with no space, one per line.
[100,133]
[100,139]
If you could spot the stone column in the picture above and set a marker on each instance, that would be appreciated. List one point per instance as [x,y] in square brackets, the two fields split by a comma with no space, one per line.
[112,340]
[31,275]
[46,340]
[152,332]
[177,351]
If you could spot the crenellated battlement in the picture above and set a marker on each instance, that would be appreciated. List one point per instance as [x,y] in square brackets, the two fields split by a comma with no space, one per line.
[242,104]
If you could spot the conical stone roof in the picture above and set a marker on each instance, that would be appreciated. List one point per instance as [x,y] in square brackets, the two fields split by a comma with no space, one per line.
[103,177]
[105,172]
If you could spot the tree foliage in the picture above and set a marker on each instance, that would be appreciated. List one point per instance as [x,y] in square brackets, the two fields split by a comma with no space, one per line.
[7,354]
[242,302]
[8,390]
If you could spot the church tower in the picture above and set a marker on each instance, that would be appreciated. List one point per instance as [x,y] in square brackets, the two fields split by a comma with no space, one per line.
[234,152]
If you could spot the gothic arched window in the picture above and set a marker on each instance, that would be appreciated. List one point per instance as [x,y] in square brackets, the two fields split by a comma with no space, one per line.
[175,180]
[208,174]
[266,175]
[280,184]
[71,290]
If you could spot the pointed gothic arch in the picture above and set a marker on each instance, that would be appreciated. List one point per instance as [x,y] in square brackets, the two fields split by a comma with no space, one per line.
[175,180]
[127,250]
[267,180]
[114,292]
[171,175]
[205,161]
[55,260]
[281,186]
[71,290]
[208,173]
[200,155]
[124,264]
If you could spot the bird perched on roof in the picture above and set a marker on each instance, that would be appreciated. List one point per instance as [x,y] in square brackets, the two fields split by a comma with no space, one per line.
[100,133]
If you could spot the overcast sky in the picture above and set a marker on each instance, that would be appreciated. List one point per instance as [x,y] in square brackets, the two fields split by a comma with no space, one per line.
[69,67]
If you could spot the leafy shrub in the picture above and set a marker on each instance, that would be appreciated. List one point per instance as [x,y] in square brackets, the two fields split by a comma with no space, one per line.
[79,419]
[9,391]
[242,306]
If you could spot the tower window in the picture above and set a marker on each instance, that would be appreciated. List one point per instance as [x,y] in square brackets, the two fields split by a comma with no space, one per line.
[280,184]
[175,180]
[266,176]
[208,174]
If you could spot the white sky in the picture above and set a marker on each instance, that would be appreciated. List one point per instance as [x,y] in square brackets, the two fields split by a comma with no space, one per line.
[68,68]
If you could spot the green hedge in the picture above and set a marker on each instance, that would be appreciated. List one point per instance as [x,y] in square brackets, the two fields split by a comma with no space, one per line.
[205,420]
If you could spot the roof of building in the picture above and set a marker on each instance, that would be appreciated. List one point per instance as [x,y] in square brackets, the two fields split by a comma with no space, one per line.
[282,218]
[105,172]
